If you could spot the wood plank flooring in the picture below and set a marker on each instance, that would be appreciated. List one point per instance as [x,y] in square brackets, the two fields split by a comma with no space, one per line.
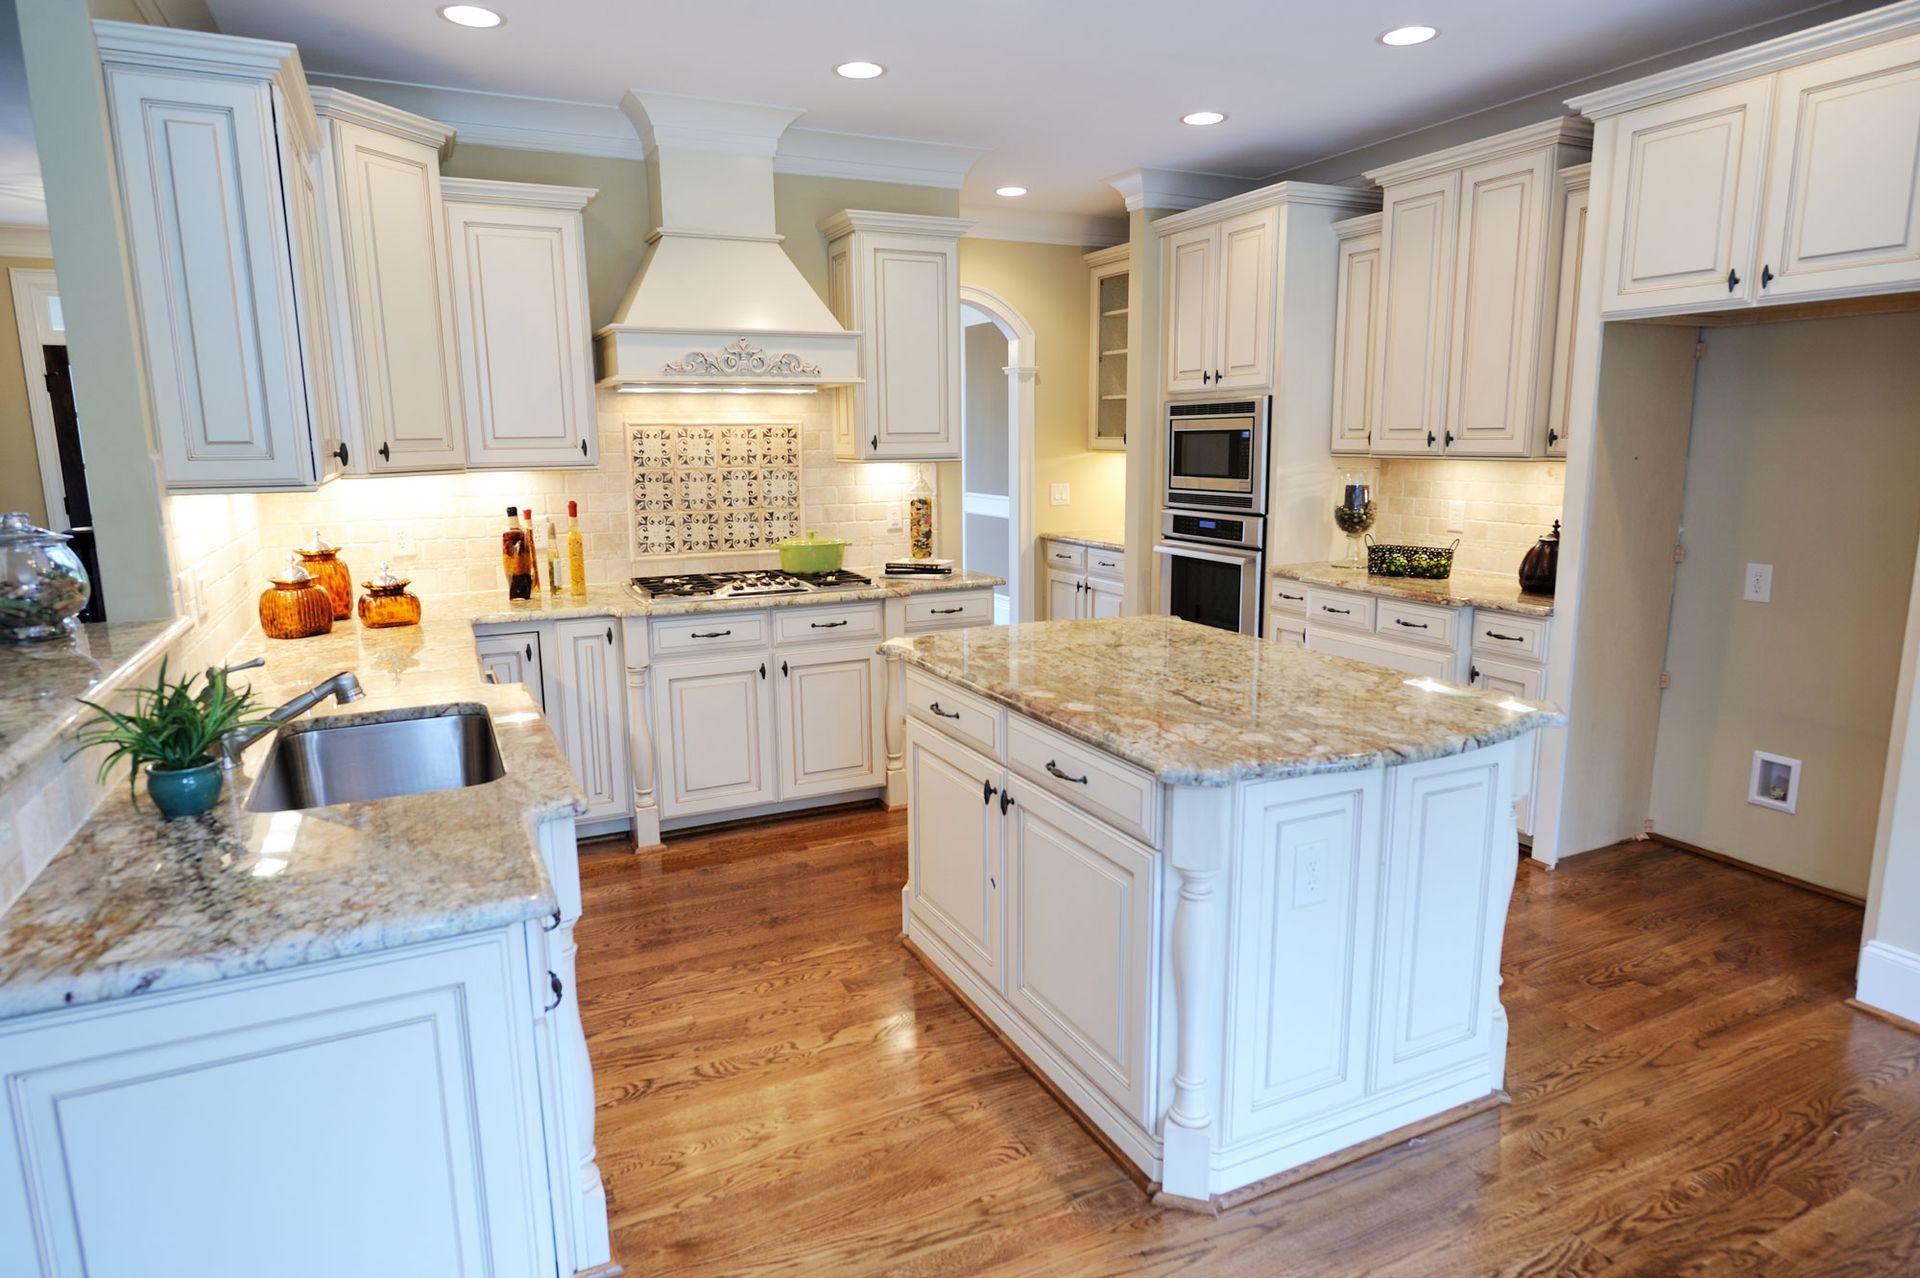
[784,1090]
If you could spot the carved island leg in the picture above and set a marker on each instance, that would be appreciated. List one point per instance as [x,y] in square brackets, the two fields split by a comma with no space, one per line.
[646,812]
[1198,848]
[896,720]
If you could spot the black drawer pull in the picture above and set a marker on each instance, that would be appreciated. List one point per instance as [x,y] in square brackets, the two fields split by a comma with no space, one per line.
[783,670]
[1284,595]
[763,670]
[1053,769]
[945,612]
[559,991]
[1344,612]
[828,625]
[529,652]
[944,714]
[711,634]
[1495,634]
[609,634]
[1411,625]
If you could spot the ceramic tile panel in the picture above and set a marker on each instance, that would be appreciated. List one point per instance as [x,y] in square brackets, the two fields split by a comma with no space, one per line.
[709,489]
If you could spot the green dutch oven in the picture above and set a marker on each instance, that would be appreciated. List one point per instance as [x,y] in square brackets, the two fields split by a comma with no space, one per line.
[811,553]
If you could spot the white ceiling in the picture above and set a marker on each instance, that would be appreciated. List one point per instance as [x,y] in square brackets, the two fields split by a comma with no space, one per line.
[1063,93]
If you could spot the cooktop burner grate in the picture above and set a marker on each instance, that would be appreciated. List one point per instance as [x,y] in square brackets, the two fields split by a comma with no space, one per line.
[723,585]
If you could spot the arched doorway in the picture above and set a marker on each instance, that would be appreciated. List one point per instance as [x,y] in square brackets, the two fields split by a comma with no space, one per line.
[996,455]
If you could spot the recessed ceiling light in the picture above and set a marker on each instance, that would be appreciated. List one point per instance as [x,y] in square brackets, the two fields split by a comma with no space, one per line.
[1010,192]
[1400,37]
[859,70]
[470,15]
[1202,118]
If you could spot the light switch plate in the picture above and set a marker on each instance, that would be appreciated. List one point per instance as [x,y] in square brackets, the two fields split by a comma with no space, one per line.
[1757,585]
[404,546]
[893,516]
[1456,516]
[1059,494]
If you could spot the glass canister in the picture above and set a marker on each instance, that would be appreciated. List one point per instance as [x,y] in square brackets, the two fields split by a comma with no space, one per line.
[324,562]
[920,519]
[388,602]
[296,605]
[42,585]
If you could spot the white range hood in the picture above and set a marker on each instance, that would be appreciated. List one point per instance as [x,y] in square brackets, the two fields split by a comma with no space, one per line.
[717,304]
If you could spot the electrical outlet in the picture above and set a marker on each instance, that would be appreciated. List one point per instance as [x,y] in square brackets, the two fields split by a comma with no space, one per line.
[893,516]
[191,596]
[1059,494]
[404,546]
[1310,870]
[1456,516]
[1757,585]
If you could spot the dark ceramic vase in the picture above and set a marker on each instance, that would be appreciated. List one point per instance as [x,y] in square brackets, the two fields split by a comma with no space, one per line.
[185,791]
[1542,564]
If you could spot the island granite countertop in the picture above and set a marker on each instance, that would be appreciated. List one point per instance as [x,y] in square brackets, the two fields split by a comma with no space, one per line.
[39,681]
[1462,590]
[1194,705]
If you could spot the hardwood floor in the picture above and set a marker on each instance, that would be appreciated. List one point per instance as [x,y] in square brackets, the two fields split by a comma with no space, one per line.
[783,1089]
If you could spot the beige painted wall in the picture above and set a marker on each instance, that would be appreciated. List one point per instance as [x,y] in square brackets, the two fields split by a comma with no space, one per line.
[1803,454]
[19,460]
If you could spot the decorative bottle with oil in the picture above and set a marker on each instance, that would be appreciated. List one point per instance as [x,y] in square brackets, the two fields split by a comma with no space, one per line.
[576,553]
[515,559]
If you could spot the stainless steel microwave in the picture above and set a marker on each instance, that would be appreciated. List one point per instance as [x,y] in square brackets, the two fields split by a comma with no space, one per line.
[1217,454]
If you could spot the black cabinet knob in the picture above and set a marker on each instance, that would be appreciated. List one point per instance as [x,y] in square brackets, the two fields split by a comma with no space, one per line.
[1733,279]
[340,453]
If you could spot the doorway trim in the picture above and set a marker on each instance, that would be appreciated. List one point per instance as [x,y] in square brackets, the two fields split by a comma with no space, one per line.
[32,286]
[1021,370]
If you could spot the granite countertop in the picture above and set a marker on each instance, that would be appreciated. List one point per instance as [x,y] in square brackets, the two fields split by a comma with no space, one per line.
[491,607]
[39,681]
[1099,541]
[1461,590]
[1194,705]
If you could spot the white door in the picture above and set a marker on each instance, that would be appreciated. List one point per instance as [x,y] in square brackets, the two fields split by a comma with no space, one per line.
[1353,349]
[1102,598]
[1566,324]
[1496,377]
[513,658]
[593,729]
[1243,348]
[1079,943]
[405,354]
[914,330]
[1528,683]
[714,721]
[1416,256]
[1680,219]
[1843,187]
[526,345]
[1064,591]
[1192,307]
[830,731]
[954,848]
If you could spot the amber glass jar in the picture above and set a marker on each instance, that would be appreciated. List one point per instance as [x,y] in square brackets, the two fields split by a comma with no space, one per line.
[296,605]
[388,602]
[324,562]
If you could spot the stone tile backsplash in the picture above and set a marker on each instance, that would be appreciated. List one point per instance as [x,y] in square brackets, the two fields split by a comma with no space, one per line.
[703,489]
[1508,505]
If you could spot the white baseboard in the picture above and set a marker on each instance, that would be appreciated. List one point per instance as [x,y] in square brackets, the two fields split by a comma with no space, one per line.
[1889,979]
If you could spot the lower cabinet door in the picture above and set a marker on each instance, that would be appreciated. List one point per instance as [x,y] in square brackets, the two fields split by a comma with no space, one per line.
[954,848]
[1063,595]
[513,658]
[1103,598]
[1079,943]
[714,723]
[593,727]
[831,739]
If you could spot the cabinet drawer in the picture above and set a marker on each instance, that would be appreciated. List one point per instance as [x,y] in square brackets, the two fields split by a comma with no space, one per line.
[1123,796]
[1502,634]
[1289,597]
[811,625]
[1338,608]
[709,632]
[1416,623]
[1106,563]
[949,611]
[1280,631]
[1064,554]
[971,719]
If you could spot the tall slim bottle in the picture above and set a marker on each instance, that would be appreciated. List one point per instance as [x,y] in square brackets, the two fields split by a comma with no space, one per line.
[576,553]
[515,558]
[533,550]
[553,556]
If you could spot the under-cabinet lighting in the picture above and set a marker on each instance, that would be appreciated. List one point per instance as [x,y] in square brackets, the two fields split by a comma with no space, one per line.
[1402,37]
[471,15]
[719,390]
[859,70]
[1201,119]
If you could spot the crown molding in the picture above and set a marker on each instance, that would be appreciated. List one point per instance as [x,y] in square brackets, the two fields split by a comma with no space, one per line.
[351,108]
[1872,27]
[1356,199]
[1352,228]
[531,195]
[687,123]
[26,241]
[847,221]
[1566,130]
[1038,226]
[1111,256]
[503,120]
[1176,189]
[197,51]
[865,157]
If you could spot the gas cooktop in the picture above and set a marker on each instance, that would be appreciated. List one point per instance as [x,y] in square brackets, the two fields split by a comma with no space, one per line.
[732,585]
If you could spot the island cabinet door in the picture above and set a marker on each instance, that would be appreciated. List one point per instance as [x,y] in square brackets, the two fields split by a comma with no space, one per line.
[954,848]
[715,723]
[1305,901]
[1450,861]
[1080,944]
[376,1115]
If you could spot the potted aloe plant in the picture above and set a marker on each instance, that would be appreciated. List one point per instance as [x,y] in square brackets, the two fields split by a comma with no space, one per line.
[171,729]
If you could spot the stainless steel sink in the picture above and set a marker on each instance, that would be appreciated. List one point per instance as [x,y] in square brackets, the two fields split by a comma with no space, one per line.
[314,764]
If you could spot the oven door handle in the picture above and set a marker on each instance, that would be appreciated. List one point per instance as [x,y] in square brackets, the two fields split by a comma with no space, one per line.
[1200,550]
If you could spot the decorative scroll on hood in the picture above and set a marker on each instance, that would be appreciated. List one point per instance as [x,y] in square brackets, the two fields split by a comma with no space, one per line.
[718,303]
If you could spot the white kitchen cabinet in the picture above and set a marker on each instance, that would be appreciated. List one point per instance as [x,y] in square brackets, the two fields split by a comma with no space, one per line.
[1220,282]
[518,265]
[1108,306]
[1416,257]
[895,279]
[1355,305]
[714,718]
[1104,597]
[1064,589]
[1191,306]
[513,656]
[1509,656]
[1566,324]
[956,846]
[830,738]
[387,234]
[214,141]
[1083,581]
[1419,639]
[591,686]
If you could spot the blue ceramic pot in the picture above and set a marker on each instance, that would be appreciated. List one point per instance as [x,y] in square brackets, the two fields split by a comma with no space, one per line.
[186,792]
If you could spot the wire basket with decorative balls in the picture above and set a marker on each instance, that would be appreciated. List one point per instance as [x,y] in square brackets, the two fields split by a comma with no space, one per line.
[1430,563]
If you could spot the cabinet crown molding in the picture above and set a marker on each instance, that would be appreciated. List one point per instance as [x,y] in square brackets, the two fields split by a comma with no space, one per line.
[1107,256]
[209,54]
[1563,130]
[847,221]
[1576,177]
[536,195]
[1278,195]
[351,108]
[1353,228]
[1872,27]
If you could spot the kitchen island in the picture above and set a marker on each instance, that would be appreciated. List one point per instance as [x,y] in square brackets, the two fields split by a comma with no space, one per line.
[1240,905]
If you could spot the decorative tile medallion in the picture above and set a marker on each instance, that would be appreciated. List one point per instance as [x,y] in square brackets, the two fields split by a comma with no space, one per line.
[704,489]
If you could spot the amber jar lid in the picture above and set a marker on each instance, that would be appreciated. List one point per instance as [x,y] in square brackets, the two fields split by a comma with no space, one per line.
[317,548]
[294,576]
[385,583]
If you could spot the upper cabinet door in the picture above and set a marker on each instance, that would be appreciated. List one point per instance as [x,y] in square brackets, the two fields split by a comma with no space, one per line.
[1353,338]
[1496,377]
[520,310]
[200,176]
[1243,354]
[1417,257]
[407,371]
[1566,324]
[1843,187]
[1685,186]
[302,175]
[915,333]
[1192,308]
